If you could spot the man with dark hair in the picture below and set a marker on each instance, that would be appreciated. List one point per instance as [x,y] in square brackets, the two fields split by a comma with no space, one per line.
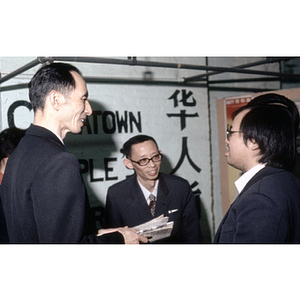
[43,194]
[9,139]
[261,143]
[276,99]
[148,194]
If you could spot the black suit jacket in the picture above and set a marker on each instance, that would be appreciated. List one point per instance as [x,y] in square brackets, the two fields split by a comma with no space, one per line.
[3,231]
[126,206]
[266,211]
[43,194]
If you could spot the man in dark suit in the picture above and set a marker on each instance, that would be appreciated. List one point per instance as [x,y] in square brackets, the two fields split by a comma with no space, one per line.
[261,143]
[9,139]
[130,203]
[42,192]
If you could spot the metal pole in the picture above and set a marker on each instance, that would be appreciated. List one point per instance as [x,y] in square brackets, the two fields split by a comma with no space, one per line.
[143,82]
[256,79]
[20,70]
[99,60]
[253,64]
[135,62]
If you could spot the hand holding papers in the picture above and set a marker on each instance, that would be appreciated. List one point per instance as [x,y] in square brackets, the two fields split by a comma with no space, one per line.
[155,229]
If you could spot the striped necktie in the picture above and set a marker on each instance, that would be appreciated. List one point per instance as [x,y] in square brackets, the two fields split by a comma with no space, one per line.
[152,204]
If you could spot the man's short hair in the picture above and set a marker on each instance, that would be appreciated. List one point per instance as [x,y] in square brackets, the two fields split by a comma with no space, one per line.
[9,140]
[55,76]
[126,150]
[276,99]
[272,128]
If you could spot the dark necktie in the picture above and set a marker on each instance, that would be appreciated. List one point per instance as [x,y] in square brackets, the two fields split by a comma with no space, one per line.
[152,204]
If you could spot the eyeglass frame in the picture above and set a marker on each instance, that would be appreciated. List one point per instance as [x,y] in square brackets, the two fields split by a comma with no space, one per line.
[139,161]
[229,133]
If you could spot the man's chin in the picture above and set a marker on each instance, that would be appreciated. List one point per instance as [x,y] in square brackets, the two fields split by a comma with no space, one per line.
[228,161]
[76,131]
[232,165]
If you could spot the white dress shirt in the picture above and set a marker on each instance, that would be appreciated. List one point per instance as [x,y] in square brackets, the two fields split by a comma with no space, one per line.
[147,193]
[244,179]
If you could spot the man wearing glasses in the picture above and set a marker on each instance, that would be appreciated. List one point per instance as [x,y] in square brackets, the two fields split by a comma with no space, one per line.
[261,144]
[148,194]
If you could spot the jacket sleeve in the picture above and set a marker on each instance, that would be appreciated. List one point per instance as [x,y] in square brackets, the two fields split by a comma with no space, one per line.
[191,231]
[258,220]
[60,212]
[113,218]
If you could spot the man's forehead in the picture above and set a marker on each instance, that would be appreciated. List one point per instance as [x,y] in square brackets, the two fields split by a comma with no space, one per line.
[144,145]
[80,81]
[77,77]
[238,118]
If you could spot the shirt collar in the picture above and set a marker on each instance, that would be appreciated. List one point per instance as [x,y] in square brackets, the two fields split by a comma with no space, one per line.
[243,180]
[146,192]
[57,136]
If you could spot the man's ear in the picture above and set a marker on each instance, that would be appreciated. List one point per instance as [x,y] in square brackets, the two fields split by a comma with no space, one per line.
[128,163]
[253,145]
[54,98]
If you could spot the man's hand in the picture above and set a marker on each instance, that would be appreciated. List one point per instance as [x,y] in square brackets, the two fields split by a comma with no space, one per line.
[105,231]
[130,235]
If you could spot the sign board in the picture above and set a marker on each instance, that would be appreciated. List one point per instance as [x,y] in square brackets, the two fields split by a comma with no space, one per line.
[177,117]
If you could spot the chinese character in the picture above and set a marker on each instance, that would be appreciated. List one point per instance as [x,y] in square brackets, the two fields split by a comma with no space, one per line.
[184,99]
[185,153]
[182,116]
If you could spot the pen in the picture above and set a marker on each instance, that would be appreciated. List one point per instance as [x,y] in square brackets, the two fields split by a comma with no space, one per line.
[172,211]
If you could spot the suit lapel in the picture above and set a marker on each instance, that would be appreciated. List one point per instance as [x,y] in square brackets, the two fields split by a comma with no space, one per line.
[266,171]
[162,197]
[138,203]
[137,200]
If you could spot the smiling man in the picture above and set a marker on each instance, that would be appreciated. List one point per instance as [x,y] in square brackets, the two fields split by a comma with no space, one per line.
[148,194]
[42,192]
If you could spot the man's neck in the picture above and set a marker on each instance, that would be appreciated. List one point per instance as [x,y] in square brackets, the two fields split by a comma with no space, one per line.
[48,126]
[3,164]
[49,123]
[245,178]
[149,184]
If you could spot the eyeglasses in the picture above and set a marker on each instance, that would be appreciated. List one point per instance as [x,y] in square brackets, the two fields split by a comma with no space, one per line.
[229,133]
[145,161]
